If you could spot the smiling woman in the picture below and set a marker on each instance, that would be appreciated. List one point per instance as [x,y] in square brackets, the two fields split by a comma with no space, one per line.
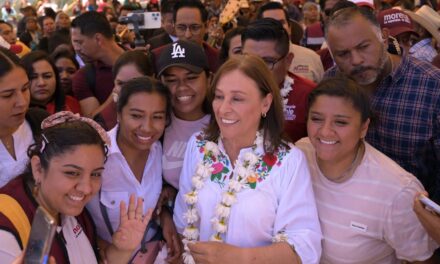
[364,199]
[242,183]
[134,163]
[63,175]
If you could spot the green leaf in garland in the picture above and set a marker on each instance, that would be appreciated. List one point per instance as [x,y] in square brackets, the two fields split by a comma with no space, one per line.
[253,185]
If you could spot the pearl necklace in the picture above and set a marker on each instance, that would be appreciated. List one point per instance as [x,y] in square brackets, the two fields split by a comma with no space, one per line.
[287,88]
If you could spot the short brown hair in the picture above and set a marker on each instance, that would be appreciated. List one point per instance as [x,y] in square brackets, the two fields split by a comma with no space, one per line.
[254,68]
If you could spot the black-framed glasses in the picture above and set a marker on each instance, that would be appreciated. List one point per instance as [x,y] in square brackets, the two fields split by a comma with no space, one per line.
[193,28]
[270,62]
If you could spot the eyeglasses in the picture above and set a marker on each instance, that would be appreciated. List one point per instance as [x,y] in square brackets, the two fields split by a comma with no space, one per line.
[193,28]
[270,62]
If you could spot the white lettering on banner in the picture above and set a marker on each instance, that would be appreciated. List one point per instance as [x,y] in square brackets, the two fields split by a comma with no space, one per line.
[178,52]
[289,112]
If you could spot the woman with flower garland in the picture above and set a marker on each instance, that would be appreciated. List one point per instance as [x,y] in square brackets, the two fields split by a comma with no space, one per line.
[245,193]
[364,198]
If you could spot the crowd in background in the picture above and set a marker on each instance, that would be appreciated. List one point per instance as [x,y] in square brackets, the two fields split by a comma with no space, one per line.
[251,130]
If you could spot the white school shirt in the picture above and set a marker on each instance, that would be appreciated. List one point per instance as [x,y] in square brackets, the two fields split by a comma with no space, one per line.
[306,63]
[176,137]
[9,167]
[283,201]
[118,182]
[79,249]
[369,218]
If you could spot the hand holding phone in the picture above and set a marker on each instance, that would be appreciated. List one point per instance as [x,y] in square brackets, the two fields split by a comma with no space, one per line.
[40,239]
[429,204]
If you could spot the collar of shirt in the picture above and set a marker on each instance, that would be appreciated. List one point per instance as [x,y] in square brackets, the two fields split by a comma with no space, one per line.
[419,45]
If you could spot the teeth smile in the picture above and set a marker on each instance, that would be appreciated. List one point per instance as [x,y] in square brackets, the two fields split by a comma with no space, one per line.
[184,98]
[328,142]
[143,138]
[76,198]
[228,121]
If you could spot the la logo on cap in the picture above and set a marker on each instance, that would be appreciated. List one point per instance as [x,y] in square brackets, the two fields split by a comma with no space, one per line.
[178,52]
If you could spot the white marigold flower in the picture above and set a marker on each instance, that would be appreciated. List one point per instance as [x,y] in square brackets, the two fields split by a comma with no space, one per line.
[191,233]
[251,158]
[259,140]
[191,197]
[229,198]
[211,146]
[280,237]
[223,211]
[188,258]
[219,226]
[191,216]
[235,186]
[242,171]
[216,238]
[204,171]
[197,182]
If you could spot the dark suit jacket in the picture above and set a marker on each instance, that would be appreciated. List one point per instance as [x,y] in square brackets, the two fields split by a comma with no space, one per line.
[159,40]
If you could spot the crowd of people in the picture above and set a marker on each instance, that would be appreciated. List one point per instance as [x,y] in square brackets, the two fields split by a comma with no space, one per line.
[238,132]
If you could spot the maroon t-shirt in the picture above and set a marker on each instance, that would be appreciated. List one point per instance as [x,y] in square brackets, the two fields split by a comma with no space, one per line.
[296,107]
[103,83]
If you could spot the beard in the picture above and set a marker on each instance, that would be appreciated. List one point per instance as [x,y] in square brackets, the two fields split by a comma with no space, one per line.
[376,71]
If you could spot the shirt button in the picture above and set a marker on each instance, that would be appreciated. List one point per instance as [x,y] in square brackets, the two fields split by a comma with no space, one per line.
[113,202]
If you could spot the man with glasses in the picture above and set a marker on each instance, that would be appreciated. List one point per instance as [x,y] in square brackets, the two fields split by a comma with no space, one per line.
[190,18]
[306,63]
[268,39]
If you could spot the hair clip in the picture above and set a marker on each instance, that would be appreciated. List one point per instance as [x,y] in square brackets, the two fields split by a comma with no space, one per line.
[66,116]
[44,142]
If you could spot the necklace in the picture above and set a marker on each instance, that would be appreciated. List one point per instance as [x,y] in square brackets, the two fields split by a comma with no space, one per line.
[287,88]
[250,168]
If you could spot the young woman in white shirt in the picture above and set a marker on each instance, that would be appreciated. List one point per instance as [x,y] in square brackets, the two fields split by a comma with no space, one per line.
[17,124]
[134,162]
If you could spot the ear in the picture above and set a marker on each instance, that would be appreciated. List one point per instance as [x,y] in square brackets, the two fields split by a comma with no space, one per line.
[266,103]
[99,38]
[37,169]
[289,58]
[209,78]
[385,35]
[364,128]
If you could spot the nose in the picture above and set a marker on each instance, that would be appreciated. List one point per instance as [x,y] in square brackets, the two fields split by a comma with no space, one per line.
[147,125]
[41,81]
[85,185]
[224,107]
[326,129]
[64,75]
[22,99]
[188,33]
[356,58]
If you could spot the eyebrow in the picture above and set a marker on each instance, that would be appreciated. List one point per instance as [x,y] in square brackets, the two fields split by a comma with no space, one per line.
[320,113]
[141,111]
[79,168]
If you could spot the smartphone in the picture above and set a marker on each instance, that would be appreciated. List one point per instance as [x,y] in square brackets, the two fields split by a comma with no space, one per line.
[147,20]
[429,204]
[40,240]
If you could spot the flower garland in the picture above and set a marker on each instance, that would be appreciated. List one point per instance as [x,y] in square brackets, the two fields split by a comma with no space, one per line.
[249,169]
[287,88]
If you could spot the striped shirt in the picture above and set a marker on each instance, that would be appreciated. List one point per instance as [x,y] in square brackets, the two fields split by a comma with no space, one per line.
[369,217]
[406,105]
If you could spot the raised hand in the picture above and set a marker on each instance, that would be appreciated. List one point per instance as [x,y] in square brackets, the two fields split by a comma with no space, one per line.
[132,225]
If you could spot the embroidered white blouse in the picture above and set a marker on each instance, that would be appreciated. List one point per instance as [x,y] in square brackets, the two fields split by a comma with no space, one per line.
[282,201]
[118,182]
